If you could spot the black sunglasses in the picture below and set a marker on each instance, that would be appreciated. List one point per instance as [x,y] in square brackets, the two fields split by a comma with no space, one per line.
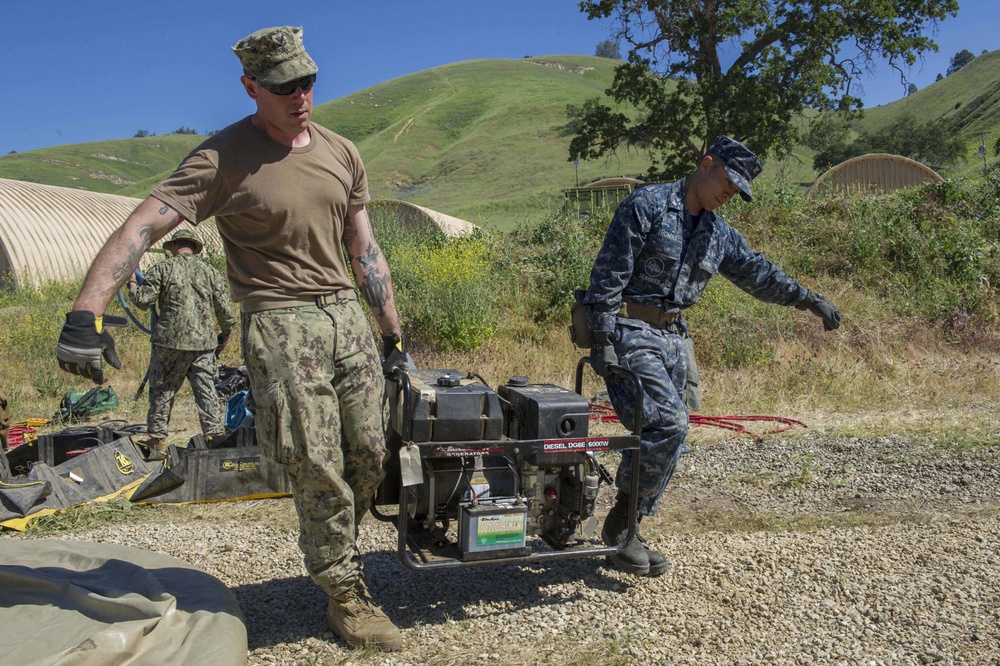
[283,89]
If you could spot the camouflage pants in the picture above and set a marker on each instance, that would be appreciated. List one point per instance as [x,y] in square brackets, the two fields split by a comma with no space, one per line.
[315,385]
[659,359]
[167,370]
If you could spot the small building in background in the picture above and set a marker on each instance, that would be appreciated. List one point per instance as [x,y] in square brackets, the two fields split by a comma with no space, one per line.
[601,194]
[874,173]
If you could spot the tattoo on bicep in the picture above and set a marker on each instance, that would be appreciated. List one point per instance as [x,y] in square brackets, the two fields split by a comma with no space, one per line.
[349,235]
[174,222]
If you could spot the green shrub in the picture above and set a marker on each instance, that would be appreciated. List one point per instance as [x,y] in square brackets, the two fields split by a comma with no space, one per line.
[445,289]
[553,259]
[445,293]
[926,250]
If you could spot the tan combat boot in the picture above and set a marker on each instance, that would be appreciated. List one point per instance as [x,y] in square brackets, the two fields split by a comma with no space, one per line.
[155,445]
[356,619]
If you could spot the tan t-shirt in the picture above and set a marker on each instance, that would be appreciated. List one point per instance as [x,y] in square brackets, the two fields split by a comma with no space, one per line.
[280,210]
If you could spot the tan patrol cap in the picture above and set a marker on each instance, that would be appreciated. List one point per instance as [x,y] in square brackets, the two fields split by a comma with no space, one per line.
[275,55]
[183,235]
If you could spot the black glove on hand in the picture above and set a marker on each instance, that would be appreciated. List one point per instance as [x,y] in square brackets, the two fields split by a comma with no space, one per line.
[220,343]
[602,353]
[81,347]
[393,354]
[822,308]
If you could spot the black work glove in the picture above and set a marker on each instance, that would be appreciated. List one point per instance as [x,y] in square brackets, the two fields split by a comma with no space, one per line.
[602,352]
[81,348]
[822,308]
[221,339]
[393,354]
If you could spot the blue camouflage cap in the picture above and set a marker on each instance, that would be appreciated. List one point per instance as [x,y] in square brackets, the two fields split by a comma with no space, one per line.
[275,55]
[741,165]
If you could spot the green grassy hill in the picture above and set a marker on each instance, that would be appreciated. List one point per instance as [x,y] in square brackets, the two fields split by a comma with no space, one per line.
[969,98]
[483,139]
[480,139]
[102,166]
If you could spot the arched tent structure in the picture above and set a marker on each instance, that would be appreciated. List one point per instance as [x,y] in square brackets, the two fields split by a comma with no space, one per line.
[419,217]
[54,233]
[876,172]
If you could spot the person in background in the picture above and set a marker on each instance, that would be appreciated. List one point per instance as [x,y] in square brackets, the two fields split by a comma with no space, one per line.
[661,249]
[190,296]
[288,197]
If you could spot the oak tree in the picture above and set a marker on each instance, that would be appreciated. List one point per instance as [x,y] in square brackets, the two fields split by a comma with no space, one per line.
[746,68]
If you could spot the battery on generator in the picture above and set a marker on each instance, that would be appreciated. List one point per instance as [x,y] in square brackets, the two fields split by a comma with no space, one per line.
[492,530]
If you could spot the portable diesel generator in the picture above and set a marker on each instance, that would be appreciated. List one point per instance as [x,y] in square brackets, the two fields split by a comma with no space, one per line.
[484,476]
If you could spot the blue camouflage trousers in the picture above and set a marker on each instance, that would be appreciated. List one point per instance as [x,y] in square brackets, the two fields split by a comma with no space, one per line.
[315,385]
[658,357]
[167,371]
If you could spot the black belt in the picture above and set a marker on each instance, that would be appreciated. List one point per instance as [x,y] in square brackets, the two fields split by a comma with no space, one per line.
[259,304]
[648,313]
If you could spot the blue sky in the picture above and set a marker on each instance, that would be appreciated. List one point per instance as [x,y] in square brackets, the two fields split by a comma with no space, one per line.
[79,71]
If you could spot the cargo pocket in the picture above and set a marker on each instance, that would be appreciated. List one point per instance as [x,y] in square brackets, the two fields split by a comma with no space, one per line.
[692,388]
[273,426]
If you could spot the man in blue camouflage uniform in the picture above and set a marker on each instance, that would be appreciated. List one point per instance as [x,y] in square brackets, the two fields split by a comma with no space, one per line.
[190,296]
[663,246]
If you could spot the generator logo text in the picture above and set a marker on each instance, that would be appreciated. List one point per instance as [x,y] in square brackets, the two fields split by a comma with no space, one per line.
[573,445]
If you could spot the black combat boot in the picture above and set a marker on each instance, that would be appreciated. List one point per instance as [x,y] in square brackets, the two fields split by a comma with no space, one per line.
[658,564]
[634,559]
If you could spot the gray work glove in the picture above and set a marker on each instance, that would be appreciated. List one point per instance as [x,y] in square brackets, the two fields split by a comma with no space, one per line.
[822,308]
[81,348]
[602,352]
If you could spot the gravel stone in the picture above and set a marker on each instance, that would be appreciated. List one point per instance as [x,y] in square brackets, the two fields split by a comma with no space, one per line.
[804,550]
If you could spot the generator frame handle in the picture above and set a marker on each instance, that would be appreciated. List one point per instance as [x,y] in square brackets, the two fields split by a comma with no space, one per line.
[404,540]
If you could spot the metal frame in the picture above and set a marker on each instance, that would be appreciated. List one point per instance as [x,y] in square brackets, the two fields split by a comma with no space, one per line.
[509,447]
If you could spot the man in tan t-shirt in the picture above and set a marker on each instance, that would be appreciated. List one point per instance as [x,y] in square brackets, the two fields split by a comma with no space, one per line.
[288,197]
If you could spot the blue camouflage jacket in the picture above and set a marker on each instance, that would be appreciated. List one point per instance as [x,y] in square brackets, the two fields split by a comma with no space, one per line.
[655,253]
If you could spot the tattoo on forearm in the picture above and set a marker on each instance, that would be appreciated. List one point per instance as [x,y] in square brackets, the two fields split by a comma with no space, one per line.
[131,261]
[371,256]
[376,289]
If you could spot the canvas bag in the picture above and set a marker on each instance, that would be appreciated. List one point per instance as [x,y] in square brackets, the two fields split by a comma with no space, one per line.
[77,406]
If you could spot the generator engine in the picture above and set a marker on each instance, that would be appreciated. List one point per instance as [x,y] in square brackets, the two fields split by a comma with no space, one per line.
[482,475]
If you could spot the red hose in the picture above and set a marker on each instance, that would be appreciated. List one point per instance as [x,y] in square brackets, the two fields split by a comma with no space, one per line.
[606,414]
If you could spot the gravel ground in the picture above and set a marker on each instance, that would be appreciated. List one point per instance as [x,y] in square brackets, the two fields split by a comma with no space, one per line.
[800,550]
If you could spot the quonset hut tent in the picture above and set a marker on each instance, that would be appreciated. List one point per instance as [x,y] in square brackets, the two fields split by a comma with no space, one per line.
[876,172]
[54,233]
[419,217]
